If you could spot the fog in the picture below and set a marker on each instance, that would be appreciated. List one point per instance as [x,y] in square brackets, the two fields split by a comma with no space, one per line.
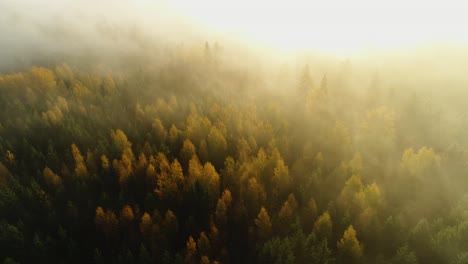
[214,132]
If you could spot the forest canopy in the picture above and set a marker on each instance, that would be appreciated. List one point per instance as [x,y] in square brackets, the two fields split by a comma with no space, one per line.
[207,151]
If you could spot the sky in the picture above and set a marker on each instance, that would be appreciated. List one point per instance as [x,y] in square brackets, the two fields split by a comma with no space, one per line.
[329,26]
[332,25]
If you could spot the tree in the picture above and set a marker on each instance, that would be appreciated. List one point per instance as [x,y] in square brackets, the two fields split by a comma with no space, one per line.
[43,79]
[222,208]
[10,159]
[191,251]
[80,166]
[204,247]
[210,179]
[146,225]
[159,131]
[187,152]
[217,145]
[205,260]
[126,215]
[194,170]
[281,180]
[286,214]
[349,245]
[121,143]
[106,222]
[263,224]
[173,136]
[105,164]
[323,226]
[51,179]
[254,196]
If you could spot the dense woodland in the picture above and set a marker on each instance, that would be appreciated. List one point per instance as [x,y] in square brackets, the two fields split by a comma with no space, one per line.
[197,159]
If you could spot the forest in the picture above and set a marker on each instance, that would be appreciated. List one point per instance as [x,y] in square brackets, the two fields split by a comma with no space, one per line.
[200,160]
[118,146]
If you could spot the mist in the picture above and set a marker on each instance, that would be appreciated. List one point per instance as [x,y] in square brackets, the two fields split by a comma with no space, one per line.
[179,132]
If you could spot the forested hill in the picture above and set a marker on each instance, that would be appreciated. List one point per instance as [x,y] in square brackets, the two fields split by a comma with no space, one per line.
[199,160]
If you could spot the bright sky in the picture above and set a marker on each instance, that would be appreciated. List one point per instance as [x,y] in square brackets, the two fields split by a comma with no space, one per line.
[342,27]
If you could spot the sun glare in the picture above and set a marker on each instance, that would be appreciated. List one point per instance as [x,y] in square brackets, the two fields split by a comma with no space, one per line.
[331,26]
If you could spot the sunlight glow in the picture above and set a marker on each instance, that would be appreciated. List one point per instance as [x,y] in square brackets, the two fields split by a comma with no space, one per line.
[342,27]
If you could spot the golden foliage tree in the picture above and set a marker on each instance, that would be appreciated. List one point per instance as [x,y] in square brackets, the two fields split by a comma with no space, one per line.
[146,225]
[159,131]
[191,245]
[263,224]
[51,179]
[323,226]
[106,222]
[204,247]
[222,207]
[126,215]
[187,152]
[80,166]
[43,79]
[349,245]
[105,164]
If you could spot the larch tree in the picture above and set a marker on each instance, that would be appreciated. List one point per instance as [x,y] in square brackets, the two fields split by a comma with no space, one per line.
[204,247]
[210,179]
[105,164]
[106,222]
[222,208]
[287,213]
[51,179]
[190,257]
[146,225]
[254,195]
[43,79]
[349,245]
[80,166]
[126,216]
[323,227]
[159,131]
[187,152]
[263,224]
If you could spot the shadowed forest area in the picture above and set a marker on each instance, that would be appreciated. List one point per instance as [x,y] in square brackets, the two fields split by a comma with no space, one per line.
[216,152]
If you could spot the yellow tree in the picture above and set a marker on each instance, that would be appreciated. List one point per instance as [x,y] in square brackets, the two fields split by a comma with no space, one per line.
[173,136]
[146,225]
[191,251]
[204,246]
[349,245]
[159,131]
[263,224]
[121,142]
[126,215]
[286,214]
[195,170]
[105,164]
[323,226]
[210,179]
[10,159]
[222,208]
[80,166]
[51,179]
[281,179]
[187,152]
[43,79]
[106,222]
[254,196]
